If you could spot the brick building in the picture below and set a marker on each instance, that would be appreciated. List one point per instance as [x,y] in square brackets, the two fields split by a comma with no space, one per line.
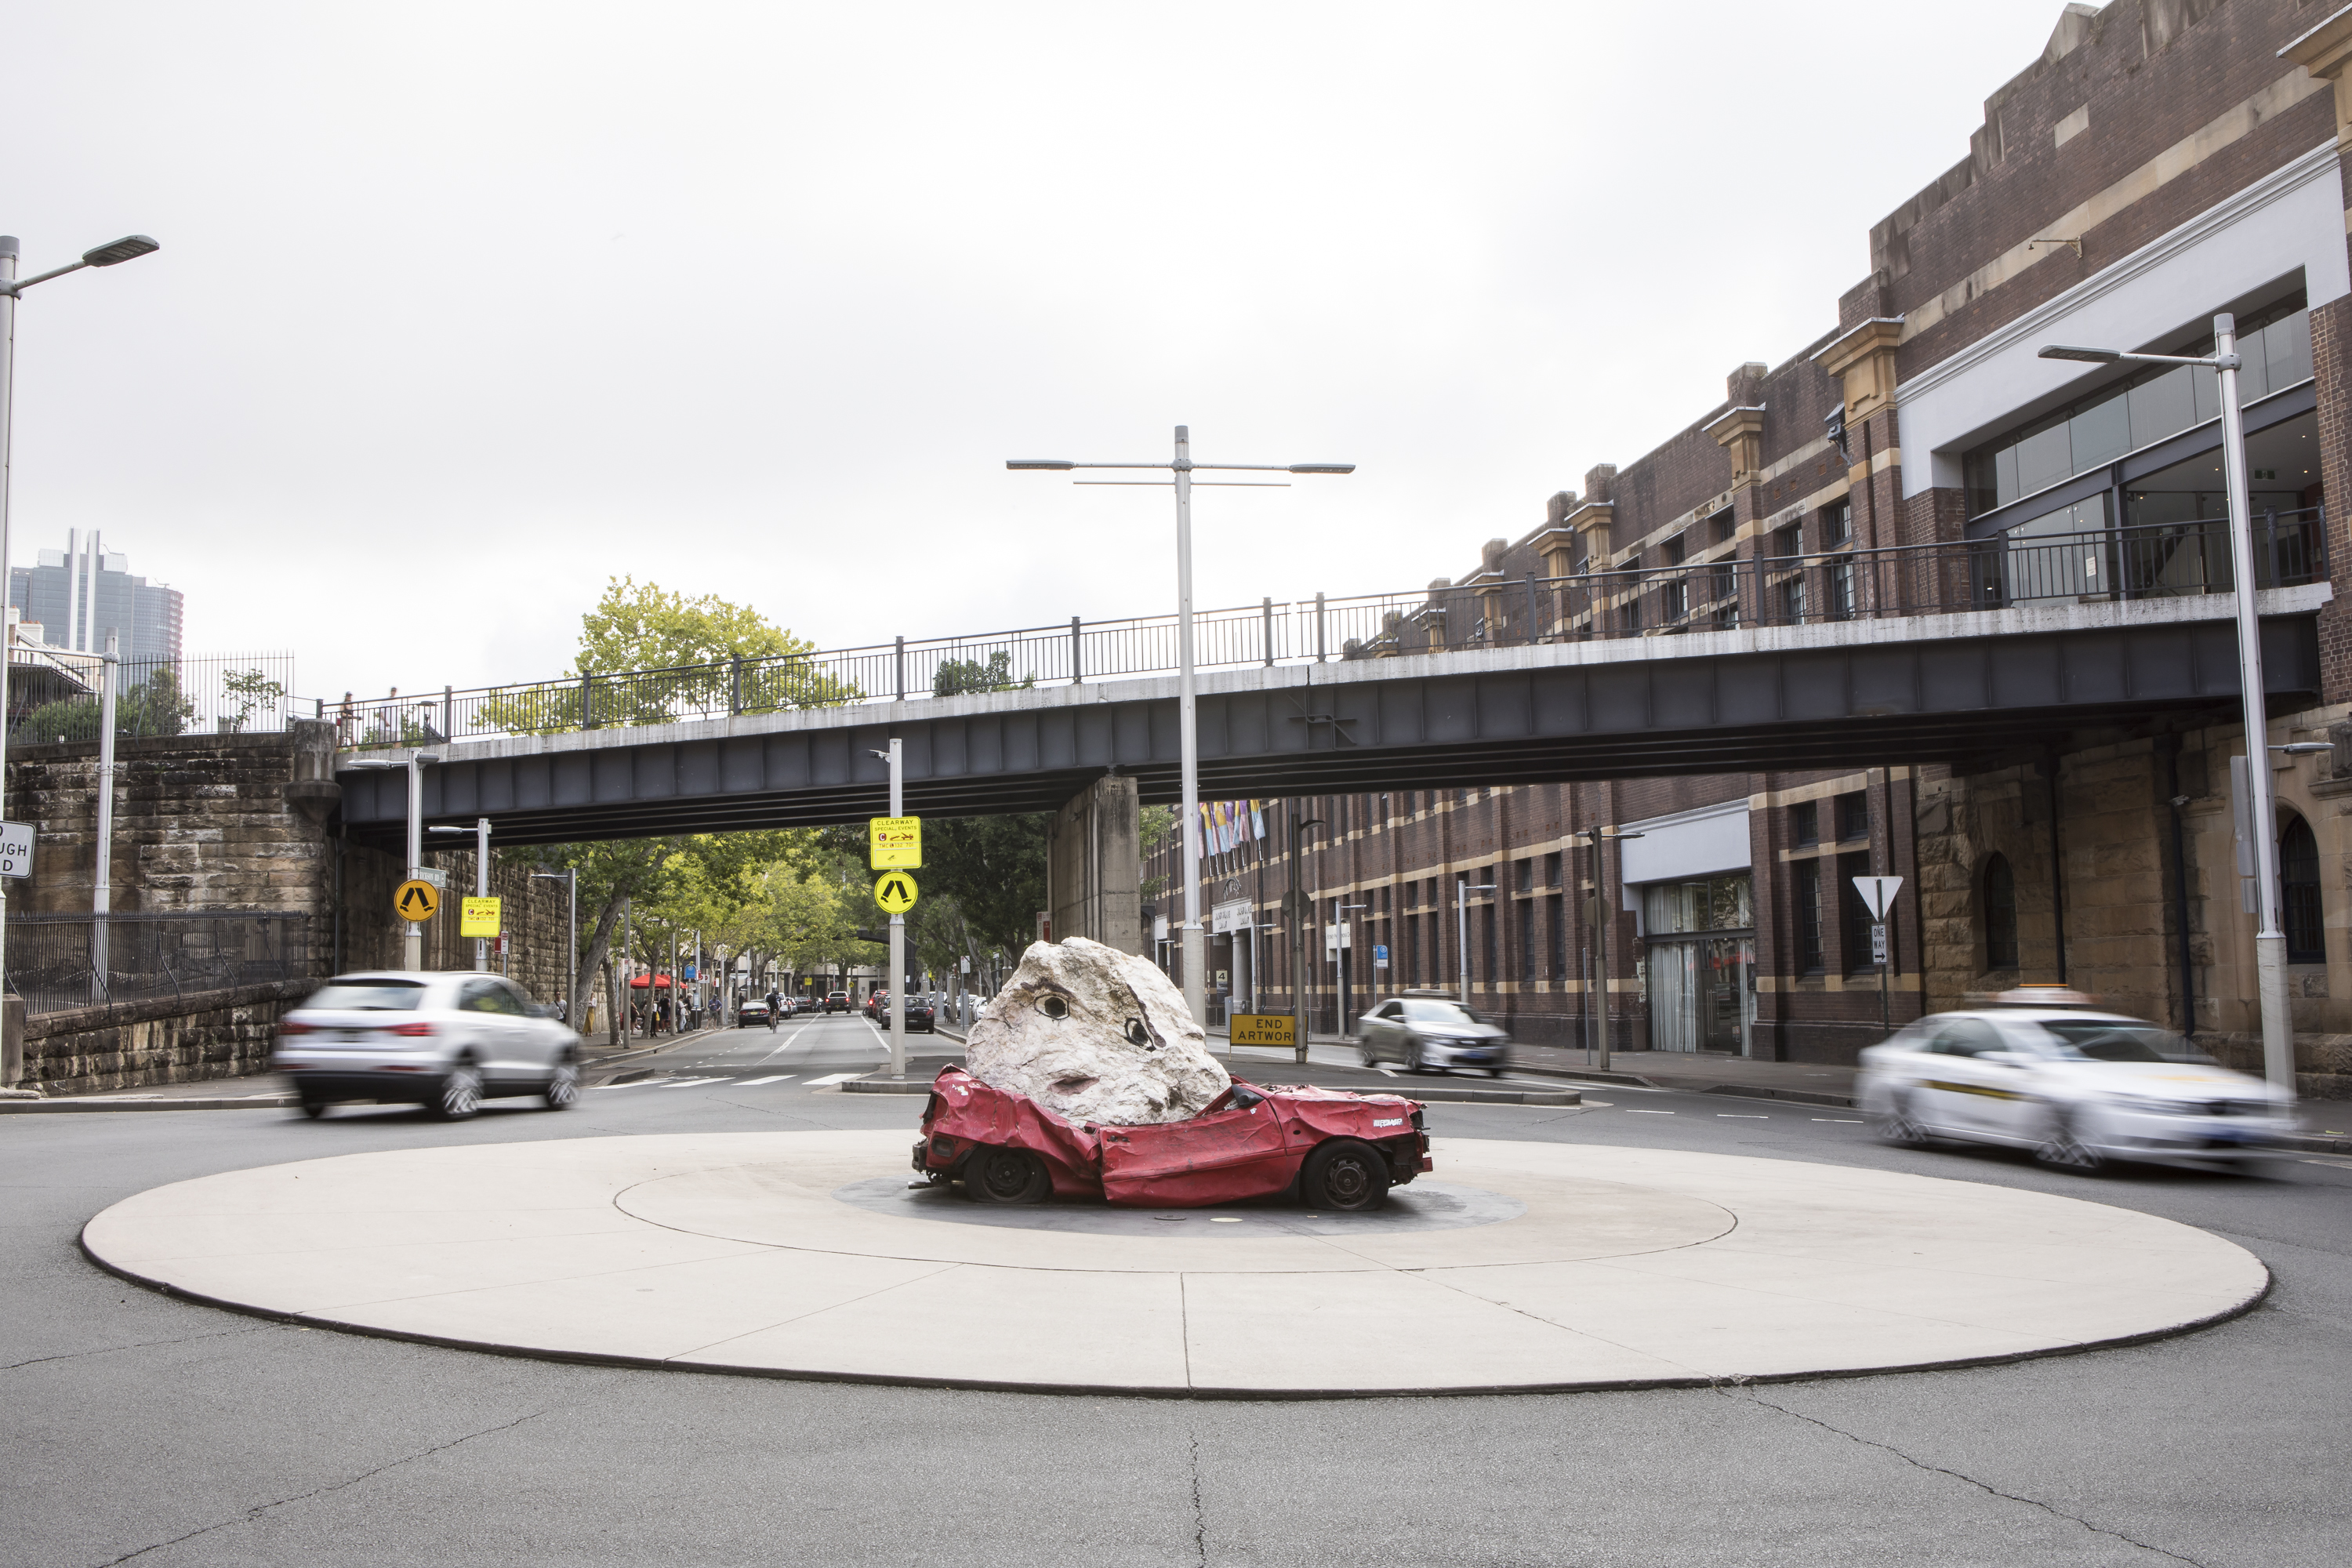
[2161,161]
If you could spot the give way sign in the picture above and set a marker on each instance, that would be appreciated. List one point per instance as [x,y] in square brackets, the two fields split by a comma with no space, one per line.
[1878,893]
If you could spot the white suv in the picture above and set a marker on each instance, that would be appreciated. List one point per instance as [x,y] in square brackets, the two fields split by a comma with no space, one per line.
[447,1041]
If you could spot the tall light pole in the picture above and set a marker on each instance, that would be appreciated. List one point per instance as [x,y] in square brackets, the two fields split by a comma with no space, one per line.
[1347,936]
[1301,911]
[1195,940]
[129,247]
[481,881]
[1463,889]
[412,948]
[2270,938]
[1596,924]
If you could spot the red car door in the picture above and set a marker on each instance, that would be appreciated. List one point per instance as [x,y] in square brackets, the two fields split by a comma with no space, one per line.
[1234,1148]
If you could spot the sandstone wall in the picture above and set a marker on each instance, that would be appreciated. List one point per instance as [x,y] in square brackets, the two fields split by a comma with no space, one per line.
[215,1034]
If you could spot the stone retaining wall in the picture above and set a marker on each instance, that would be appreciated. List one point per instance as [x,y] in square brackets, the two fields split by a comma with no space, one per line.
[134,1045]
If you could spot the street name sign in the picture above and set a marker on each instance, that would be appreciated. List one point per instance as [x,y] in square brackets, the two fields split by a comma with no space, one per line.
[894,842]
[1262,1029]
[477,917]
[15,849]
[895,892]
[417,900]
[1878,893]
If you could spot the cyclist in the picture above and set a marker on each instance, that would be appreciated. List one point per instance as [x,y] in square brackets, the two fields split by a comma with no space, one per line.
[775,1002]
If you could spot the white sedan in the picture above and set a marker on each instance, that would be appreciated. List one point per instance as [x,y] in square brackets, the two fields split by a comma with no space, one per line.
[2076,1085]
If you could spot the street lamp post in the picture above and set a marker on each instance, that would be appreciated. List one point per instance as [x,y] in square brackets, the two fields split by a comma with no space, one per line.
[127,249]
[1195,941]
[1463,889]
[1301,911]
[1347,937]
[413,942]
[2270,938]
[481,881]
[1596,924]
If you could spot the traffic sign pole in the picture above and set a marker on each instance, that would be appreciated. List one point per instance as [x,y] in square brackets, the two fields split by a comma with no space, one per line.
[411,947]
[897,941]
[481,884]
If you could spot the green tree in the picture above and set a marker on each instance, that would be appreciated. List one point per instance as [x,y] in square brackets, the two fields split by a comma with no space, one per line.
[650,655]
[994,870]
[153,707]
[252,691]
[957,676]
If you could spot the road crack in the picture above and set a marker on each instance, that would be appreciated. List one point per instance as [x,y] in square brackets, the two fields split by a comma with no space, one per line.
[138,1345]
[254,1512]
[1200,1515]
[2055,1512]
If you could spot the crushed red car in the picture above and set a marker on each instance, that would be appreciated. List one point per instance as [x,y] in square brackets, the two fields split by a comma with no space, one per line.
[1343,1151]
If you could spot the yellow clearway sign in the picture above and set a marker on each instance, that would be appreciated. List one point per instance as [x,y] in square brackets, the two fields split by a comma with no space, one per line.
[893,842]
[895,892]
[417,900]
[477,917]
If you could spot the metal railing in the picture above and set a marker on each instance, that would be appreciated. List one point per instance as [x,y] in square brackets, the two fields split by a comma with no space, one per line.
[61,961]
[1720,590]
[221,694]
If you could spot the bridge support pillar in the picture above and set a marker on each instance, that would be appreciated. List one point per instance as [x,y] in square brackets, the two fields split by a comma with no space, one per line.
[1094,869]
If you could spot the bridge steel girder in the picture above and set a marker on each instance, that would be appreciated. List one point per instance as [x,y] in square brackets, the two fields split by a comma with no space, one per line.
[1441,721]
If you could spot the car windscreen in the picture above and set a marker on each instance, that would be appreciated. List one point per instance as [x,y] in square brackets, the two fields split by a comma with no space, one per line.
[1423,1012]
[368,996]
[2120,1040]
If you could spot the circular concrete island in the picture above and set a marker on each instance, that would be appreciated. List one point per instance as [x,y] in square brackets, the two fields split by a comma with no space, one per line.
[1515,1267]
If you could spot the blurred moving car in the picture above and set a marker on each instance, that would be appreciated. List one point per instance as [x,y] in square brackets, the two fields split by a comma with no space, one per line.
[1342,1151]
[2078,1086]
[837,1002]
[447,1040]
[1430,1029]
[752,1010]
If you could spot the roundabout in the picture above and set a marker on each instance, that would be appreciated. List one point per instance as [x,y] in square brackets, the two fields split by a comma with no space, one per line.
[1518,1266]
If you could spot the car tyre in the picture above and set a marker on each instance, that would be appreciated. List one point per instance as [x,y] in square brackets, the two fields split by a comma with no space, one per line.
[313,1108]
[1413,1057]
[1897,1126]
[563,1087]
[1366,1054]
[1346,1175]
[2062,1147]
[461,1093]
[995,1174]
[1494,1072]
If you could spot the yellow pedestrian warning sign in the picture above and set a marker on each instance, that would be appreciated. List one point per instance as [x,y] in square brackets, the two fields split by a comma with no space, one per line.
[895,892]
[893,842]
[417,901]
[477,917]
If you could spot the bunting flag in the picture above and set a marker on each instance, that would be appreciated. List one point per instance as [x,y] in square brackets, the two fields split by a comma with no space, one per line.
[1257,819]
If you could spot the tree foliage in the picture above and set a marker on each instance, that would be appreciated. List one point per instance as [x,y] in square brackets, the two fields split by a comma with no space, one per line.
[994,868]
[156,706]
[955,677]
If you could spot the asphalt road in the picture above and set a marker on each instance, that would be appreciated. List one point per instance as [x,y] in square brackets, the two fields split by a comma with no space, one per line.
[137,1429]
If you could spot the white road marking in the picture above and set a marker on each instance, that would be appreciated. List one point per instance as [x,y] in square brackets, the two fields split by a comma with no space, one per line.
[784,1046]
[756,1082]
[1738,1116]
[1841,1121]
[831,1078]
[1635,1110]
[682,1083]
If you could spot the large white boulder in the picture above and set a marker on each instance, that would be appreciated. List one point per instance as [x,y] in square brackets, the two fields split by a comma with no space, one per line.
[1095,1035]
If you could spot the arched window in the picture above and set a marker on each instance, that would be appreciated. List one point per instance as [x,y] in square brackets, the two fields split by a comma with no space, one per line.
[2000,914]
[2306,939]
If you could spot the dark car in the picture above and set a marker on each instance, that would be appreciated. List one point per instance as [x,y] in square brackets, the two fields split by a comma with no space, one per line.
[1340,1151]
[753,1010]
[919,1015]
[837,1002]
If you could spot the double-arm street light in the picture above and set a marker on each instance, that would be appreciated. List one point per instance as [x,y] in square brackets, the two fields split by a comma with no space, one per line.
[1596,921]
[1195,943]
[128,249]
[1300,909]
[411,950]
[2270,938]
[569,877]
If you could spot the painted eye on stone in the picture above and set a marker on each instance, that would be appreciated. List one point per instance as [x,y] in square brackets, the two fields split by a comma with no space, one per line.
[1138,1035]
[1054,1008]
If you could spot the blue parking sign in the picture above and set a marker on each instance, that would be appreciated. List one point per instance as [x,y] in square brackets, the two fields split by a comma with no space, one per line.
[1379,957]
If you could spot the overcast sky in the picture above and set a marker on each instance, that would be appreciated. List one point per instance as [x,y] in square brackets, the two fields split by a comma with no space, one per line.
[463,309]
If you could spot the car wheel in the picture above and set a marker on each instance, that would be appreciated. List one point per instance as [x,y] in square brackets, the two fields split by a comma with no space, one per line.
[461,1093]
[1494,1072]
[1346,1175]
[2061,1147]
[563,1087]
[1413,1056]
[994,1175]
[313,1109]
[1897,1126]
[1365,1054]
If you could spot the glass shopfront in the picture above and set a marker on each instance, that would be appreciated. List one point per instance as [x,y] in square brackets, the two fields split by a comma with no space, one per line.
[1699,940]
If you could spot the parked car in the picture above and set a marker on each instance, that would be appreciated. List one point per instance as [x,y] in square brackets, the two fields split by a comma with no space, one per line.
[1342,1151]
[837,1002]
[752,1010]
[1431,1031]
[2077,1084]
[920,1015]
[447,1040]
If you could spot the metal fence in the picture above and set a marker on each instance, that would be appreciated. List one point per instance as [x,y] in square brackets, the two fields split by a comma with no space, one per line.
[61,961]
[1718,590]
[53,695]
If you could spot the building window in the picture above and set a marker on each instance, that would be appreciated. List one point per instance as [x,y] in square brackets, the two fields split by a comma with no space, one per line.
[2306,932]
[1526,911]
[1552,869]
[1837,523]
[1726,526]
[2000,914]
[1528,874]
[1805,822]
[1854,815]
[1557,913]
[1853,914]
[1809,917]
[2276,345]
[1792,599]
[1838,584]
[1672,551]
[1487,976]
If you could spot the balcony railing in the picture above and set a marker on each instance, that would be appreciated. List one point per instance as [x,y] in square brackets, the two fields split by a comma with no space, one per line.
[57,961]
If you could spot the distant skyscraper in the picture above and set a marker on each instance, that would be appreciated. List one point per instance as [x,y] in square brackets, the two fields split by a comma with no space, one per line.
[79,593]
